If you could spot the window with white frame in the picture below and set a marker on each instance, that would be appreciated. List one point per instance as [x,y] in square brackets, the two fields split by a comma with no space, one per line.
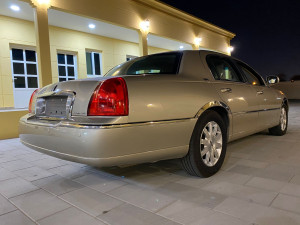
[24,68]
[94,63]
[67,67]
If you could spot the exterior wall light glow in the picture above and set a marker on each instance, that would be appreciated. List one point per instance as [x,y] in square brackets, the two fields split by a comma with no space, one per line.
[92,26]
[230,49]
[197,41]
[181,47]
[145,25]
[42,3]
[15,8]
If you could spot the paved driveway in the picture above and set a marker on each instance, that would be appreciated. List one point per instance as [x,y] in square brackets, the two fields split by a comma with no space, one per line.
[258,184]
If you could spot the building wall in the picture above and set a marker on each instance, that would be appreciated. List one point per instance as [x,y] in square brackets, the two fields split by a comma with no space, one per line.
[21,33]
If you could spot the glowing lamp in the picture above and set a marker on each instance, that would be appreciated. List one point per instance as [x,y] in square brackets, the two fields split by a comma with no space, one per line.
[145,25]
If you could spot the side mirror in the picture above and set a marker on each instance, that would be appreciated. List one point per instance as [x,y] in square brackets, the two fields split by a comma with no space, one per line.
[273,79]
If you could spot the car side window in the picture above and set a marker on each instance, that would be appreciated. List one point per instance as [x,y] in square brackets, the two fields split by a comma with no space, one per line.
[222,69]
[252,77]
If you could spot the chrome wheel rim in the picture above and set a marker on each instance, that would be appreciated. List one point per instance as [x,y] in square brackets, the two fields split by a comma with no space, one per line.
[211,142]
[283,119]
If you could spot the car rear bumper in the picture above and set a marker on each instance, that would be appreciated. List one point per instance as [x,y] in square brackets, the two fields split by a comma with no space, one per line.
[110,144]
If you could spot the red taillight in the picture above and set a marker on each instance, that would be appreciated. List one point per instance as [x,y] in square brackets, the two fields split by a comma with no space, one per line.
[110,98]
[31,100]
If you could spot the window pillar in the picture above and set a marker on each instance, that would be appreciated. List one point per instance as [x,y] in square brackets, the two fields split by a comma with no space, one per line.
[43,41]
[143,43]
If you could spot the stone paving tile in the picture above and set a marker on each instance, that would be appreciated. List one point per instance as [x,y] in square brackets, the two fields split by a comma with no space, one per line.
[249,193]
[267,184]
[33,173]
[16,186]
[39,204]
[15,218]
[70,171]
[130,215]
[252,163]
[147,199]
[191,194]
[241,209]
[6,206]
[99,182]
[219,219]
[5,174]
[30,157]
[49,163]
[291,189]
[274,216]
[71,216]
[16,165]
[288,203]
[57,185]
[185,212]
[275,175]
[295,179]
[91,201]
[195,182]
[231,177]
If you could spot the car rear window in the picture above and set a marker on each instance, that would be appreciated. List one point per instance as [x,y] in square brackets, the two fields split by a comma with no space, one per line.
[165,63]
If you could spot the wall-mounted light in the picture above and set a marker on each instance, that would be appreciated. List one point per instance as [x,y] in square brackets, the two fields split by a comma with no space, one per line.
[230,49]
[181,47]
[197,41]
[145,25]
[15,8]
[92,26]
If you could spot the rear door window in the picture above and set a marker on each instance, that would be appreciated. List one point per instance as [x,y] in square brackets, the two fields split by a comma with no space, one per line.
[222,69]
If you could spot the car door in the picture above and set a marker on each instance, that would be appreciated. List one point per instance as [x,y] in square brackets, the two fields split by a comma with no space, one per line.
[269,110]
[238,95]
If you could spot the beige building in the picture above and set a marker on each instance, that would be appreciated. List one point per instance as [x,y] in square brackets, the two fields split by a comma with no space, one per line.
[46,41]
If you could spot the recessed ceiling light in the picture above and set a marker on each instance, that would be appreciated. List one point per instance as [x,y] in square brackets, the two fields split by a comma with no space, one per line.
[15,8]
[181,47]
[92,26]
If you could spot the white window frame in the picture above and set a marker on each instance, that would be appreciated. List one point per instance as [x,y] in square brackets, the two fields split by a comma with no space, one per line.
[93,64]
[24,62]
[66,65]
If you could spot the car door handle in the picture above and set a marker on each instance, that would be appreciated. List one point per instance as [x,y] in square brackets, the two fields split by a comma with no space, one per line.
[260,92]
[226,90]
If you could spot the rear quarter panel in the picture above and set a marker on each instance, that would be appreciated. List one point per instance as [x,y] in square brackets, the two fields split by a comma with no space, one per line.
[166,97]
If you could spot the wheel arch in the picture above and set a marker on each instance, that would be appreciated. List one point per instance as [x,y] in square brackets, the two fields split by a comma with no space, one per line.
[222,109]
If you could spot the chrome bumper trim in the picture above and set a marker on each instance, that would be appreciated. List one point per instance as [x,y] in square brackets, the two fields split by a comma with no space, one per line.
[104,126]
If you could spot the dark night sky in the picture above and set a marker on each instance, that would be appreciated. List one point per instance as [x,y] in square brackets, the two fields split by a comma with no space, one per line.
[268,32]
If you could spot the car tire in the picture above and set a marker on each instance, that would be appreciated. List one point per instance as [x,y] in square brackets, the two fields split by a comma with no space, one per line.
[281,128]
[199,161]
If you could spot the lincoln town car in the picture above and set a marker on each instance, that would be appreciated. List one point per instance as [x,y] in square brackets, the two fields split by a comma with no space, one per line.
[184,104]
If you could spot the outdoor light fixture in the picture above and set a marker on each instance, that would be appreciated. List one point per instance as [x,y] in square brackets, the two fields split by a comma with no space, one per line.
[145,25]
[181,47]
[92,26]
[197,41]
[230,49]
[15,8]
